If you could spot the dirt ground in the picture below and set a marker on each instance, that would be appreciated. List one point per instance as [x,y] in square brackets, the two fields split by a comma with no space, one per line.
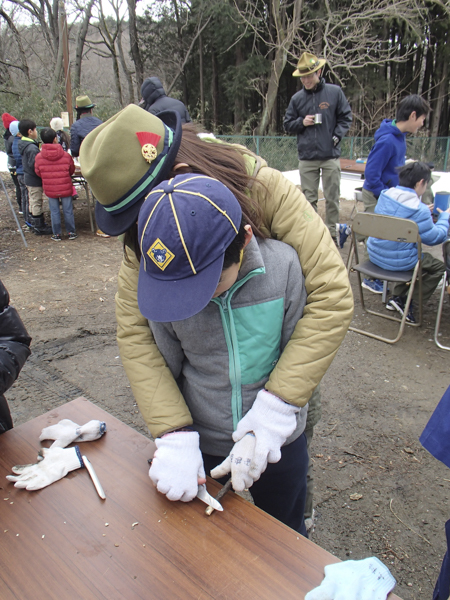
[376,399]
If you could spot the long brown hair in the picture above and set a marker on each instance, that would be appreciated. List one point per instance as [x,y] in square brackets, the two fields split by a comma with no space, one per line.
[218,160]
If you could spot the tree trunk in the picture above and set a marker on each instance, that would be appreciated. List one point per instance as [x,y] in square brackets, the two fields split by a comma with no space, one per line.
[134,46]
[22,55]
[214,90]
[81,38]
[125,69]
[201,81]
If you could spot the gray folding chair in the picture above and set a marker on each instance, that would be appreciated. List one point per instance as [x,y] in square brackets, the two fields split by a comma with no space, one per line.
[445,283]
[395,230]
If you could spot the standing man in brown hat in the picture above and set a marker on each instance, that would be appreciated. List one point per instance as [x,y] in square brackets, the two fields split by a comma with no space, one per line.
[320,115]
[84,124]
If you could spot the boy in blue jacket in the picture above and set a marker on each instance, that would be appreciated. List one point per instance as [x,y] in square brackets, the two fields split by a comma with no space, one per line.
[387,154]
[404,201]
[222,305]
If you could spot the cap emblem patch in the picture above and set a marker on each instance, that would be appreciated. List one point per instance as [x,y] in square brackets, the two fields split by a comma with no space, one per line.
[160,254]
[148,143]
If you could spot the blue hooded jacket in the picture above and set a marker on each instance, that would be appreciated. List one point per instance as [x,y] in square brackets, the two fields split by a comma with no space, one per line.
[404,203]
[388,153]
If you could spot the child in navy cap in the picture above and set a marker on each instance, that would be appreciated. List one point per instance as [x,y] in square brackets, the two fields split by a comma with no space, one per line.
[222,305]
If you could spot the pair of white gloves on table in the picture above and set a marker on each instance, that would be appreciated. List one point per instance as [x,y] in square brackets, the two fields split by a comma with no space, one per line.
[177,464]
[367,579]
[55,462]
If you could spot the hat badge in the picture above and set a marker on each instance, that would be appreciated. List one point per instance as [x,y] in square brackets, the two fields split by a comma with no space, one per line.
[148,142]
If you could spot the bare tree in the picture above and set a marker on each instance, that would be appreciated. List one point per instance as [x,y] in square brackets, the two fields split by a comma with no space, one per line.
[23,64]
[82,31]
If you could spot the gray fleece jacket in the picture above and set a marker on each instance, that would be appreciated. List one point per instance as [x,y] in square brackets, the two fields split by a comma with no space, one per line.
[222,357]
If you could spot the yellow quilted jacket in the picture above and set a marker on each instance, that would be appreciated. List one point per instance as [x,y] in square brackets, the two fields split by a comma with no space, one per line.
[288,217]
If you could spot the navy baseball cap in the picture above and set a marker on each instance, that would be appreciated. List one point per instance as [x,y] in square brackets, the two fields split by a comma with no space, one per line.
[184,227]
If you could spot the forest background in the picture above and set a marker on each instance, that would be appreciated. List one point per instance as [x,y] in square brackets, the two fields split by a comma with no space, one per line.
[230,61]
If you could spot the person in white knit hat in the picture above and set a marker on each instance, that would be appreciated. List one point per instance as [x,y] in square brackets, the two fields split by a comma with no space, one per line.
[57,124]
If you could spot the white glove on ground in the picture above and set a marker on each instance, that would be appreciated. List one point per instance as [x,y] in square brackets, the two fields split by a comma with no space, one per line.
[367,579]
[238,463]
[57,462]
[177,465]
[272,421]
[66,431]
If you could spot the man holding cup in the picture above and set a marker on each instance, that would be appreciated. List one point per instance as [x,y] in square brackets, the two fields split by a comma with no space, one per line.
[320,115]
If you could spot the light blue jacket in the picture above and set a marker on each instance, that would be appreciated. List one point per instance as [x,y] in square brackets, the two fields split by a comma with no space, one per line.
[404,203]
[223,356]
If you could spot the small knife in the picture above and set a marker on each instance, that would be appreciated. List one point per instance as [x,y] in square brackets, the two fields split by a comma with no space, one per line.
[203,495]
[95,479]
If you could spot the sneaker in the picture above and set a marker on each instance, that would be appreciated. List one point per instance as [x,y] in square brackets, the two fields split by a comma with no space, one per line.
[342,233]
[20,212]
[100,233]
[72,236]
[374,285]
[56,237]
[398,303]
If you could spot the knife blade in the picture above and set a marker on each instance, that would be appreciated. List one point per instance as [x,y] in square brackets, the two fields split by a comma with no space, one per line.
[95,479]
[203,495]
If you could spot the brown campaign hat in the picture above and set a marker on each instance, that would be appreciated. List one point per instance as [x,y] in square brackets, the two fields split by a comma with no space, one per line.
[83,102]
[307,64]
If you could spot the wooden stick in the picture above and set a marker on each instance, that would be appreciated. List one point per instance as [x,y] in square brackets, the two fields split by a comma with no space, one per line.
[209,509]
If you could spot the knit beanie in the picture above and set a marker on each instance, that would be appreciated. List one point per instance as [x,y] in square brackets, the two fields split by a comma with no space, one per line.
[14,127]
[7,120]
[57,124]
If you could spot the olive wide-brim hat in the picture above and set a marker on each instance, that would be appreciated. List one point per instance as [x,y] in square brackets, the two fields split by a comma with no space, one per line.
[124,158]
[308,64]
[83,102]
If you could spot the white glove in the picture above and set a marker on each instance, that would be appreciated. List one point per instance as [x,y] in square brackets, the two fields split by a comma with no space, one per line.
[272,421]
[177,465]
[238,463]
[57,462]
[66,431]
[367,579]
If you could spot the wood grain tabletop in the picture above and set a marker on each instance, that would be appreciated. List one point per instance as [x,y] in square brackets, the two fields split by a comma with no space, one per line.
[64,543]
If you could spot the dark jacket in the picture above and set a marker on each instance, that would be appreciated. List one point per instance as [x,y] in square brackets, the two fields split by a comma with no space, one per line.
[79,130]
[156,100]
[9,138]
[386,155]
[55,167]
[29,149]
[315,142]
[14,351]
[17,155]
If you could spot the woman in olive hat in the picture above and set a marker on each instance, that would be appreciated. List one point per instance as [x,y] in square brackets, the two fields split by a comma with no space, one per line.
[123,160]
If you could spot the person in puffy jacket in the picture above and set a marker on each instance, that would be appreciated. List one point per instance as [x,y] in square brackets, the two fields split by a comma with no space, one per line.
[56,167]
[318,142]
[14,351]
[8,137]
[155,100]
[264,194]
[403,201]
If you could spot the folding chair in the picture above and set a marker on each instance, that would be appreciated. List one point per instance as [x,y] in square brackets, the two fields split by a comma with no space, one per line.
[445,283]
[395,230]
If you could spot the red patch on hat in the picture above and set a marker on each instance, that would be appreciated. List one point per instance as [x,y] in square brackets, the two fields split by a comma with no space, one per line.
[146,137]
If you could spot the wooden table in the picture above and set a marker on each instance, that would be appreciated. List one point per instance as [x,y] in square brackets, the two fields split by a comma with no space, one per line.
[351,166]
[77,177]
[65,543]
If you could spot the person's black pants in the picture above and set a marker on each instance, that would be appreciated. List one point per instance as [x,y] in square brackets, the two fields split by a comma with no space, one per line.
[281,489]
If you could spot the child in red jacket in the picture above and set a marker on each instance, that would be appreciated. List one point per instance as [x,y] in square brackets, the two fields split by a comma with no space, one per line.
[55,168]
